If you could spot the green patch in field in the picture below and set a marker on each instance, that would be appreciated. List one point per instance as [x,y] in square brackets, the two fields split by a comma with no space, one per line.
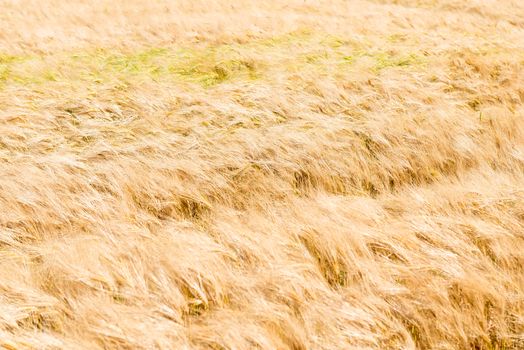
[299,51]
[396,38]
[4,73]
[348,59]
[40,77]
[25,70]
[316,57]
[206,66]
[7,59]
[334,41]
[6,63]
[150,62]
[386,60]
[211,66]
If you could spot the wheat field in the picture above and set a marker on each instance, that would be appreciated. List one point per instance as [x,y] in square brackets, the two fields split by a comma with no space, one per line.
[299,174]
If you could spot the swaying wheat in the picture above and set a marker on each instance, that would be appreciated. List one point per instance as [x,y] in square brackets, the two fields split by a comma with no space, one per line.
[262,174]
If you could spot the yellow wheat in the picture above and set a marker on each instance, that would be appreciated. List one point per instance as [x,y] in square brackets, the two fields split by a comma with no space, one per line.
[262,174]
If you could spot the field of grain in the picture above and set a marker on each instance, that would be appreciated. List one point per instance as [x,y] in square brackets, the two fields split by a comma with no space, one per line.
[299,174]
